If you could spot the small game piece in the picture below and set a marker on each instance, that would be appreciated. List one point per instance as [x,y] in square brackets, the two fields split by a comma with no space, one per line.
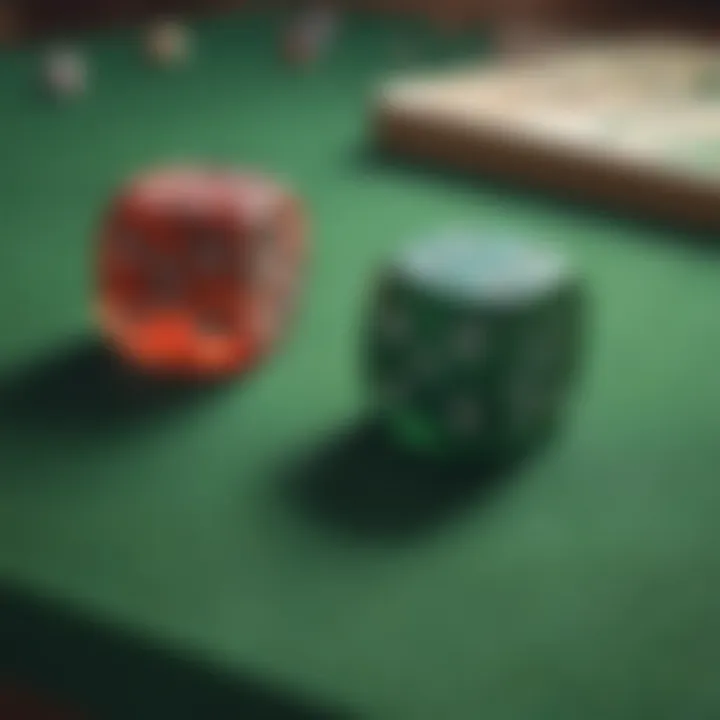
[297,51]
[310,37]
[474,345]
[65,73]
[198,270]
[168,44]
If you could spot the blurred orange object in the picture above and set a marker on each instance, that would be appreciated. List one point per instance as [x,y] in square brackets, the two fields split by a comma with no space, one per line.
[298,48]
[198,270]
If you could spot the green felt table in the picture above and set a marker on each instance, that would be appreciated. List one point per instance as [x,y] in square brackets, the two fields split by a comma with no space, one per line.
[257,530]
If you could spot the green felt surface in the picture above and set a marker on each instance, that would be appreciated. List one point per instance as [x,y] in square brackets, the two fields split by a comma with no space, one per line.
[586,586]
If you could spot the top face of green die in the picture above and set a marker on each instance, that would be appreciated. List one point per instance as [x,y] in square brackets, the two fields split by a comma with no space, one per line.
[468,267]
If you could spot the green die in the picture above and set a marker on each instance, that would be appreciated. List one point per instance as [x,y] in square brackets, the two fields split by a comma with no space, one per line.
[474,345]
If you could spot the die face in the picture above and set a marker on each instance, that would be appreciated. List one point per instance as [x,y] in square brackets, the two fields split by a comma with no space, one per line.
[430,362]
[193,270]
[542,358]
[173,303]
[546,346]
[276,252]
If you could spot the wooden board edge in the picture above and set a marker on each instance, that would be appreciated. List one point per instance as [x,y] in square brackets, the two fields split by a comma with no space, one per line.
[622,186]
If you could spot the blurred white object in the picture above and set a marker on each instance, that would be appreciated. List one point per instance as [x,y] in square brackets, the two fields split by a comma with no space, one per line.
[168,43]
[66,72]
[319,29]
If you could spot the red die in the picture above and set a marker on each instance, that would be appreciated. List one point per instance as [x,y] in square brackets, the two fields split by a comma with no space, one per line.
[198,270]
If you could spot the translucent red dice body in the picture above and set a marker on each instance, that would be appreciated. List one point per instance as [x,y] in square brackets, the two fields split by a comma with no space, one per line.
[199,270]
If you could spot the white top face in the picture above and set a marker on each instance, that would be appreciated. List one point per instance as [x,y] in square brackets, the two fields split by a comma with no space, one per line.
[463,264]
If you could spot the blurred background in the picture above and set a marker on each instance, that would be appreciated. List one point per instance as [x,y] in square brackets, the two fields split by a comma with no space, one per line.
[24,19]
[247,545]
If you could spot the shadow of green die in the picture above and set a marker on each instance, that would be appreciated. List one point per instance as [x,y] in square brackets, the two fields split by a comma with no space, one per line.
[474,345]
